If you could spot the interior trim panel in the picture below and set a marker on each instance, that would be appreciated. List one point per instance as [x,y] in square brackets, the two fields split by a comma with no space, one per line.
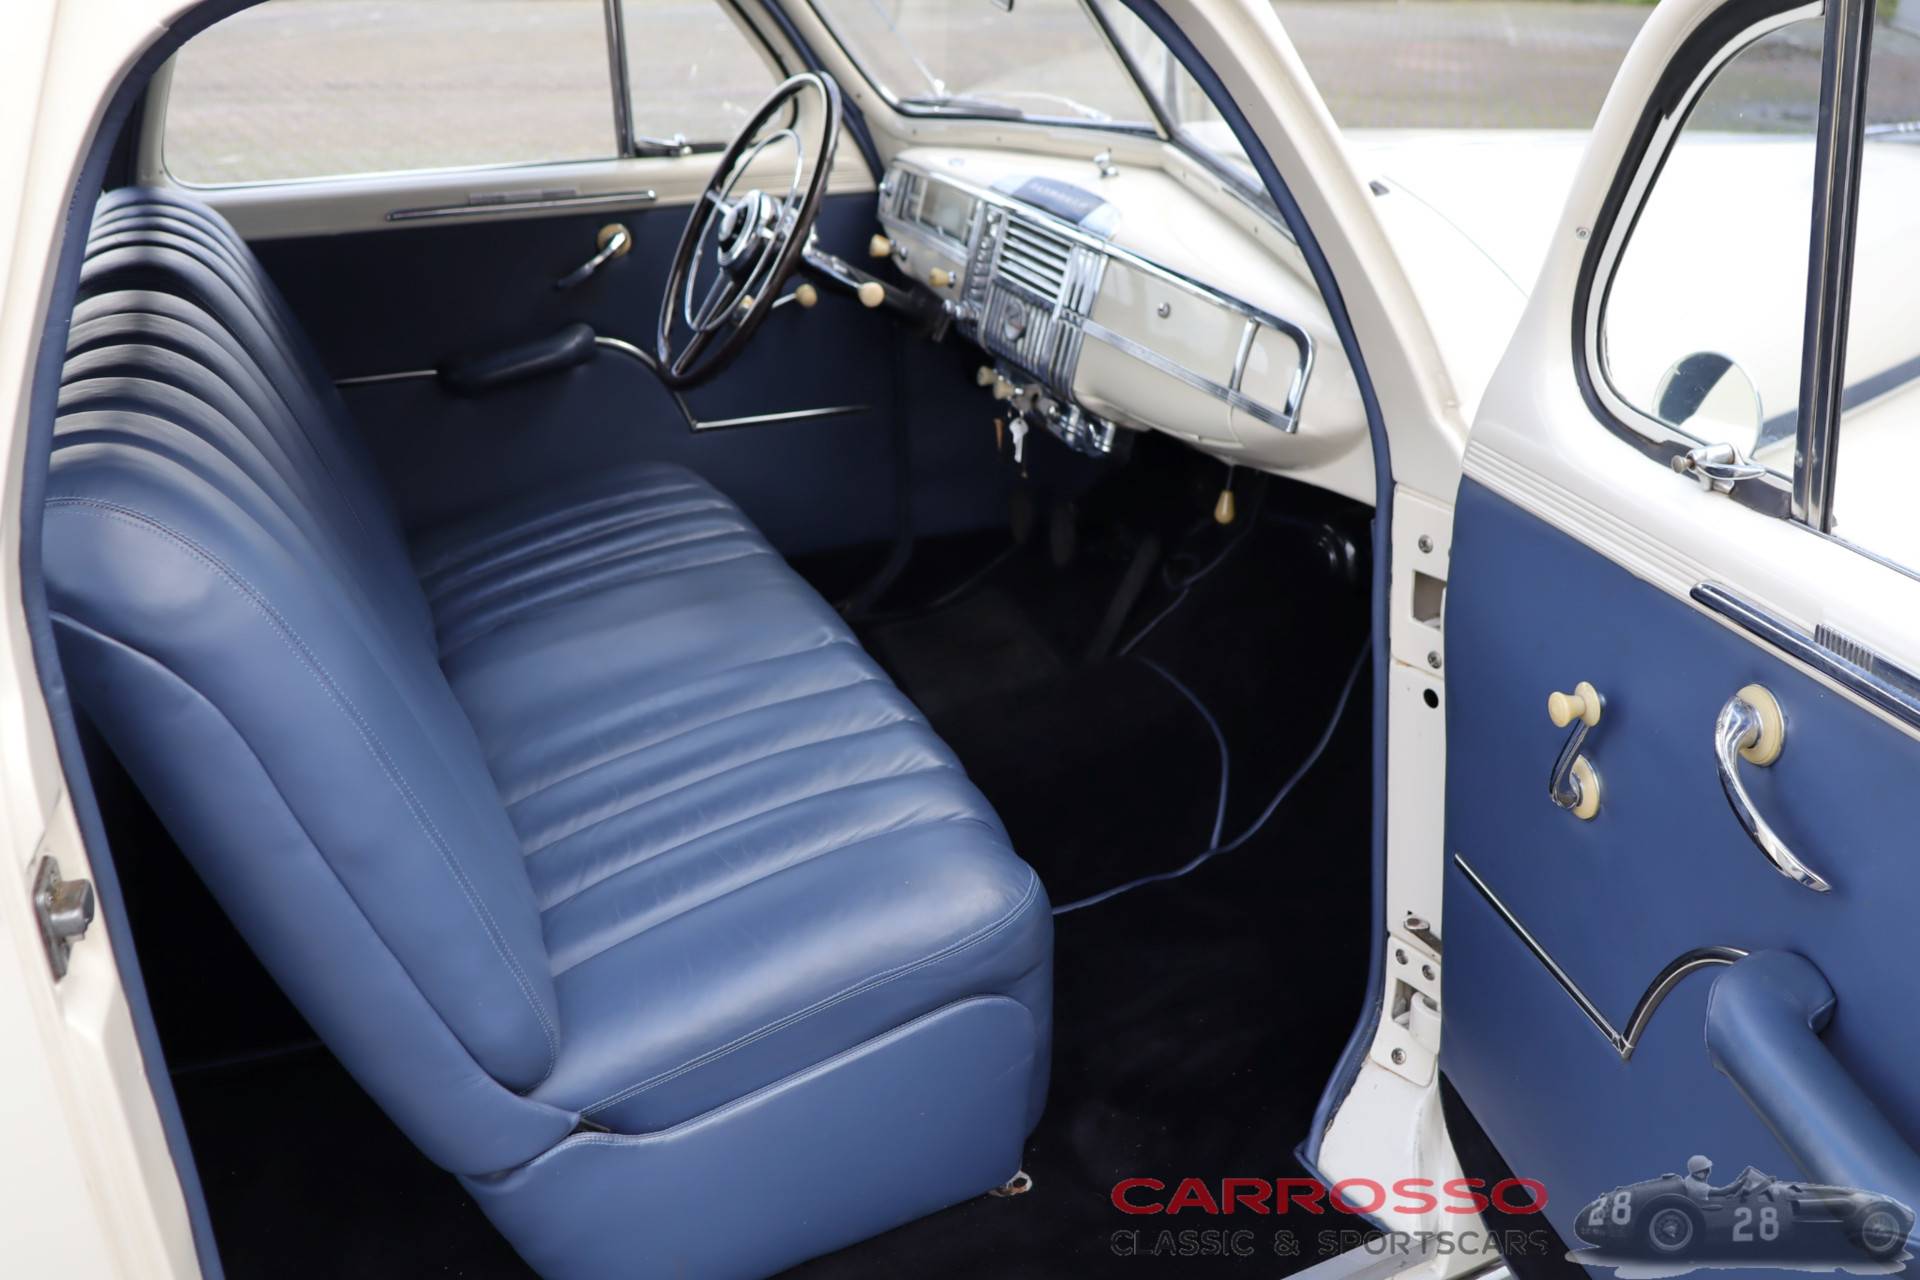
[1623,1041]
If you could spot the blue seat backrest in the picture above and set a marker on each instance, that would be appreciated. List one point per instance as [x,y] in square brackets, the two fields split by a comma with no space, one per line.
[238,614]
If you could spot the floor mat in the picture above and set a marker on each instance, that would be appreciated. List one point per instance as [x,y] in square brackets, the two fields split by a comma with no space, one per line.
[983,646]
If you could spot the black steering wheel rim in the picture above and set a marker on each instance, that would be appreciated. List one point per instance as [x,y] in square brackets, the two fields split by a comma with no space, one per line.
[758,239]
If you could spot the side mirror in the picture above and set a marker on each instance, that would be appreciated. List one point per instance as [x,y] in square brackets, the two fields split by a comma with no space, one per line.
[1712,397]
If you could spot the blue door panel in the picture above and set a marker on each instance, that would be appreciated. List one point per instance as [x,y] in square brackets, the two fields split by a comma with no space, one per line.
[410,297]
[1555,1098]
[1662,869]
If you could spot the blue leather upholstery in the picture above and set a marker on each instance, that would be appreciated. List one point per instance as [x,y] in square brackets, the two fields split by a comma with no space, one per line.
[584,815]
[1764,1019]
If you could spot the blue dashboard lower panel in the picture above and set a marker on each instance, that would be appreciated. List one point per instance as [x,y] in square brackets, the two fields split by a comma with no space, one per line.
[1661,870]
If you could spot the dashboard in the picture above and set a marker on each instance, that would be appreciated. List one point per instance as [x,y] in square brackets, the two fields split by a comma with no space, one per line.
[1097,293]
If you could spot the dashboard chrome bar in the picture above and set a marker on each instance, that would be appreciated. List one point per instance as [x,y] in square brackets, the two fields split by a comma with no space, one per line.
[1286,420]
[897,197]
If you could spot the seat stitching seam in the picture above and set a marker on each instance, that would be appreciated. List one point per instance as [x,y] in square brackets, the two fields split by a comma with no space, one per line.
[491,591]
[297,646]
[861,988]
[939,820]
[628,522]
[721,773]
[453,557]
[653,688]
[456,557]
[672,738]
[505,618]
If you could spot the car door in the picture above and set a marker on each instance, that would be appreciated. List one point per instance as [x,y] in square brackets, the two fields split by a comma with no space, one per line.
[427,181]
[1697,943]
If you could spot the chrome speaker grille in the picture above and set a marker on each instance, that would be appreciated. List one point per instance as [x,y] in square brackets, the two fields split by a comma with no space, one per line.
[1043,285]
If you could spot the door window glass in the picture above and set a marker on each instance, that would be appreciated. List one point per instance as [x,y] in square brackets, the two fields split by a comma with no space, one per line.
[1701,326]
[1878,450]
[313,88]
[694,72]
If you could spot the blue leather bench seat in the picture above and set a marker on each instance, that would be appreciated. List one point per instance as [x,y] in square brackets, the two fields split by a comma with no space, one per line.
[583,831]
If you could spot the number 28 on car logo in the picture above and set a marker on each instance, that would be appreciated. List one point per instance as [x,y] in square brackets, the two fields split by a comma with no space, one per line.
[1674,1224]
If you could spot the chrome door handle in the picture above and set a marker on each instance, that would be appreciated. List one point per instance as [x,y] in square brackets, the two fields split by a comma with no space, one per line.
[1751,728]
[613,241]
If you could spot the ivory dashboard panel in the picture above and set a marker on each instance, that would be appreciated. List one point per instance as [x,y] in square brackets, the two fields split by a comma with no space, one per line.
[1102,296]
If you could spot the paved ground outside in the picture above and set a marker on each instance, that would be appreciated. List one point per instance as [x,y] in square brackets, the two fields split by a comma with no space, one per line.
[297,88]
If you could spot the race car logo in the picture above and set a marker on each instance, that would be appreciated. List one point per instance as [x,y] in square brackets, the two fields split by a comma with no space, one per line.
[1674,1224]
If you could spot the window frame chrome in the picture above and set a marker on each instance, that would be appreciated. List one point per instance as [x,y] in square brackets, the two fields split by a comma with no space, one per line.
[1836,202]
[1806,496]
[1770,493]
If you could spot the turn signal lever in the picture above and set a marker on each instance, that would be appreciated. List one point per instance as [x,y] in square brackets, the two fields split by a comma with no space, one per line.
[871,290]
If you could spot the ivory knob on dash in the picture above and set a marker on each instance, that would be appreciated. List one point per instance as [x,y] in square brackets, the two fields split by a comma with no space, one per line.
[939,277]
[984,376]
[879,247]
[806,295]
[872,293]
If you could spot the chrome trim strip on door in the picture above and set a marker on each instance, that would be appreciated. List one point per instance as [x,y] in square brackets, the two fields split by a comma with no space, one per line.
[1623,1042]
[627,349]
[476,205]
[632,352]
[368,379]
[1889,687]
[788,415]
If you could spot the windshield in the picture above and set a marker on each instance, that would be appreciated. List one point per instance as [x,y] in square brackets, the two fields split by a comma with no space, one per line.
[1045,60]
[1034,59]
[1184,107]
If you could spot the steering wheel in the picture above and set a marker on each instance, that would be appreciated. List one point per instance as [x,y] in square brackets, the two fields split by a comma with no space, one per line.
[738,248]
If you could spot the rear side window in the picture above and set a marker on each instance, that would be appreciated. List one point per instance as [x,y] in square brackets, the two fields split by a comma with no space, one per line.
[295,89]
[317,88]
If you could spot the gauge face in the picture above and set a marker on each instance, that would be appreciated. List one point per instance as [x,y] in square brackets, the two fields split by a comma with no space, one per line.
[1015,323]
[947,209]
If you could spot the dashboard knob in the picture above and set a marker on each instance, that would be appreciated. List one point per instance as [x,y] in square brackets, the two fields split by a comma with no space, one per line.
[939,277]
[1002,389]
[806,295]
[879,247]
[871,293]
[985,376]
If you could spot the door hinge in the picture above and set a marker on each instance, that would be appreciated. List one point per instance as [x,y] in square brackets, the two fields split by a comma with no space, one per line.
[64,909]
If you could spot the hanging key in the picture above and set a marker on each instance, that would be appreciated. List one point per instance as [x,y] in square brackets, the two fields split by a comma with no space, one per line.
[1018,428]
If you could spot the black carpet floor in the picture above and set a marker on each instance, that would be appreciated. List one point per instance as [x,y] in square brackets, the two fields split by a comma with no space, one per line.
[1196,1020]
